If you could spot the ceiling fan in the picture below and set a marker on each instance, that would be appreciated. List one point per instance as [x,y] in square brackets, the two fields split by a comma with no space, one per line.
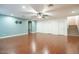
[40,14]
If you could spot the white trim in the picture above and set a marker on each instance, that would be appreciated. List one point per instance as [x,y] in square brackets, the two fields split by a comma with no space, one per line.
[54,34]
[13,35]
[33,32]
[73,35]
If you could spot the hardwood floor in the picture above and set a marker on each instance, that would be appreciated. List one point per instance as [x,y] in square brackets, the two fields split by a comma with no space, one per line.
[40,43]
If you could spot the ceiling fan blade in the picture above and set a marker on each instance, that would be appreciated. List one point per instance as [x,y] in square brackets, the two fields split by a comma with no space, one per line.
[29,9]
[48,14]
[47,7]
[38,7]
[23,12]
[31,15]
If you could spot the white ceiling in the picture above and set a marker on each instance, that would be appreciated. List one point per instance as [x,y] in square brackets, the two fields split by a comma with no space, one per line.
[56,11]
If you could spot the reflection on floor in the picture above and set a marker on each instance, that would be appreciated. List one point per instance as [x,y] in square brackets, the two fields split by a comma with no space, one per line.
[39,43]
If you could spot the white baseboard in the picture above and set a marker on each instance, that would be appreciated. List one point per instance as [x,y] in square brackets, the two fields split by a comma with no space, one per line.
[73,35]
[13,35]
[33,32]
[52,33]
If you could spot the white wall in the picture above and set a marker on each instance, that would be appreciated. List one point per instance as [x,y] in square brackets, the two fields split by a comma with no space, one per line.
[56,26]
[77,21]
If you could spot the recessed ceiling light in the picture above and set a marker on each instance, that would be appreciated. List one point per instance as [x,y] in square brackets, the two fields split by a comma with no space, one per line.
[23,7]
[73,11]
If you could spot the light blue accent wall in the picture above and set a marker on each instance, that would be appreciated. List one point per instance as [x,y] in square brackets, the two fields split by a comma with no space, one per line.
[9,27]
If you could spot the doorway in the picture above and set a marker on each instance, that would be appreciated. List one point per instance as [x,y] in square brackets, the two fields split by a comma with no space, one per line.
[29,27]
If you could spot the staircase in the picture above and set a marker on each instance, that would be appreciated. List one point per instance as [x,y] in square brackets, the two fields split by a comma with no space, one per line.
[73,30]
